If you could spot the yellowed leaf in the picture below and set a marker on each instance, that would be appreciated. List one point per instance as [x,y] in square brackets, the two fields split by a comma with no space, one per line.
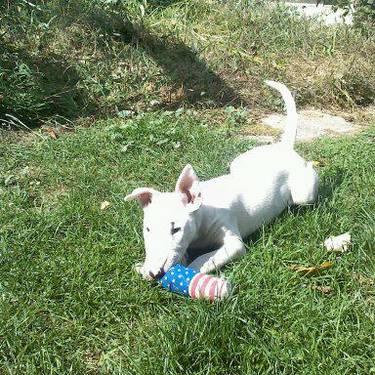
[307,271]
[51,133]
[104,205]
[325,265]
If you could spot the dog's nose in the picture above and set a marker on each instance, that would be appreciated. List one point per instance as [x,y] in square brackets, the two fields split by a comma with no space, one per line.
[158,275]
[161,273]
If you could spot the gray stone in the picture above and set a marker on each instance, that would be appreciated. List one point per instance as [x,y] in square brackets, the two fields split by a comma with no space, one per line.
[312,124]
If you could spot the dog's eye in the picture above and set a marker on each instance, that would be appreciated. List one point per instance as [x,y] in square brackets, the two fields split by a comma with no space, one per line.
[148,229]
[175,230]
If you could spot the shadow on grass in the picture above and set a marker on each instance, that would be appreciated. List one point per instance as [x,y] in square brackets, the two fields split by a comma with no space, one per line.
[193,81]
[36,88]
[162,3]
[329,184]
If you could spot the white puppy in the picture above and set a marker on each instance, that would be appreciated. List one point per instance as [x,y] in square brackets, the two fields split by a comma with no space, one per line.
[208,220]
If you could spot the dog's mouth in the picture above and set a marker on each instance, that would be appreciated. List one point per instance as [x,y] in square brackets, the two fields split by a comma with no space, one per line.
[157,276]
[170,262]
[156,273]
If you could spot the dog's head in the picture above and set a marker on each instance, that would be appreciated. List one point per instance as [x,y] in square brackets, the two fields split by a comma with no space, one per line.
[169,224]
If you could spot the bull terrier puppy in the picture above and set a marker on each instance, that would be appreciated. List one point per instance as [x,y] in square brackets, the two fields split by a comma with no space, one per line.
[211,218]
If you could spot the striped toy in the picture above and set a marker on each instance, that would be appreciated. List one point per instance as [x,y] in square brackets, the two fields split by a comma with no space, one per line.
[189,282]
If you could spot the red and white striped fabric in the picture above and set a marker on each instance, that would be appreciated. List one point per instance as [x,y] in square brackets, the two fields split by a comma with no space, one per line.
[208,287]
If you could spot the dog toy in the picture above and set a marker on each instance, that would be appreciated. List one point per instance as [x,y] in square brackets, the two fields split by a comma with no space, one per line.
[189,282]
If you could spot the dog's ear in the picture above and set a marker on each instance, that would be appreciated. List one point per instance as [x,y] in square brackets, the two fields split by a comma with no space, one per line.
[188,186]
[144,196]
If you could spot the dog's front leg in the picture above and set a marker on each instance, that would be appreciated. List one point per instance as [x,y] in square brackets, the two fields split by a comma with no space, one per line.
[232,248]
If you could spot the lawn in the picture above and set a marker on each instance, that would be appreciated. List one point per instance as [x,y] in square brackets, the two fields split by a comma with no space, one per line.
[100,97]
[71,303]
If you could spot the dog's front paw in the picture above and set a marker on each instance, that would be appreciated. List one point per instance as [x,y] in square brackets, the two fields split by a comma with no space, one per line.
[208,266]
[139,268]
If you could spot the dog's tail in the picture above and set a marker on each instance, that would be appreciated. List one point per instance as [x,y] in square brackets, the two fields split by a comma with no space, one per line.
[289,136]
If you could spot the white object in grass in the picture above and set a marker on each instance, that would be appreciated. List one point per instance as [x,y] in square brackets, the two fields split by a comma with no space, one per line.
[339,243]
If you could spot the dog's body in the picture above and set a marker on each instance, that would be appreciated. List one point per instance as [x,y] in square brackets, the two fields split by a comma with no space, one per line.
[213,217]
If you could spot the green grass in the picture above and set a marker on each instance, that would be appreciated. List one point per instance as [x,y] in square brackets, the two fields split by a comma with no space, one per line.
[60,60]
[104,74]
[70,302]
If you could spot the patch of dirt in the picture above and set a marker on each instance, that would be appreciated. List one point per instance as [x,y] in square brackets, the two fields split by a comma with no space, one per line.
[262,139]
[53,195]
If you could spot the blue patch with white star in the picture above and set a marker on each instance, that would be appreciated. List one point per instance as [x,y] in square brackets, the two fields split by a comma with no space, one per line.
[178,279]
